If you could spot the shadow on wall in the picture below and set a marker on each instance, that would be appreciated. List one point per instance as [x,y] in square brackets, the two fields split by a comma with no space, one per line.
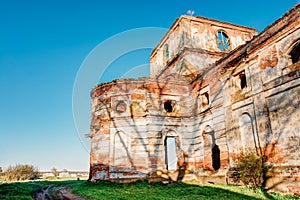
[148,128]
[139,128]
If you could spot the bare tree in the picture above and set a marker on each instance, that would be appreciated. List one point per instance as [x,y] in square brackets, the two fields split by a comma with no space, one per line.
[54,171]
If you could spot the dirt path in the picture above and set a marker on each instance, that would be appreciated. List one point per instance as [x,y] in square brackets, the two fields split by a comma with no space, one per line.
[43,194]
[55,192]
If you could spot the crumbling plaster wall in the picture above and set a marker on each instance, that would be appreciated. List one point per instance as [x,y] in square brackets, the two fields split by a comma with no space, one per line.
[196,33]
[191,33]
[271,99]
[280,82]
[129,118]
[248,100]
[139,126]
[130,125]
[203,34]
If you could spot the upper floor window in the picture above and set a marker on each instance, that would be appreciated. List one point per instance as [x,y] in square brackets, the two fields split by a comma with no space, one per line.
[167,52]
[204,99]
[243,80]
[240,80]
[295,53]
[223,41]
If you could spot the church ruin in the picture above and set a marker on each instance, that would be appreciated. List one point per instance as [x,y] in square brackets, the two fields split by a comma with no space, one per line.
[215,89]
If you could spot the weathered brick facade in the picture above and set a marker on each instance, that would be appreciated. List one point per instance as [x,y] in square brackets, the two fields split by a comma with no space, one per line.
[215,89]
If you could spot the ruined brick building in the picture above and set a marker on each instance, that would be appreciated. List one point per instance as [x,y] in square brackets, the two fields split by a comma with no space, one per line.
[215,89]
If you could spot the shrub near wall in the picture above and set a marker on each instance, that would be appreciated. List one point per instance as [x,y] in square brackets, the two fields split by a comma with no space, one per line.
[20,172]
[252,169]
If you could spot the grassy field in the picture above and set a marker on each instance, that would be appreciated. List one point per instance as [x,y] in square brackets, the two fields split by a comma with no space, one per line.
[139,190]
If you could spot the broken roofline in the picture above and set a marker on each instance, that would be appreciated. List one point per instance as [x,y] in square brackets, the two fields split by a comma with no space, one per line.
[144,80]
[199,19]
[271,30]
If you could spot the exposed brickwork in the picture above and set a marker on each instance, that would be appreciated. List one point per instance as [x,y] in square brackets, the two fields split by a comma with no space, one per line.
[269,60]
[214,105]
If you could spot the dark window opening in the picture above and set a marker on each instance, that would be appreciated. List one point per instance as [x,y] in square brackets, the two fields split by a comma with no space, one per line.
[295,53]
[223,41]
[243,80]
[205,99]
[121,107]
[216,162]
[168,106]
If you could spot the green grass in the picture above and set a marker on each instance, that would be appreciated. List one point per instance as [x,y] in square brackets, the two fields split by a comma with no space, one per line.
[143,190]
[24,190]
[138,190]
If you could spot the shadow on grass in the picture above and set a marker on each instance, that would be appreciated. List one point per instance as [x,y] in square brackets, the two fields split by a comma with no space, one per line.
[139,190]
[143,190]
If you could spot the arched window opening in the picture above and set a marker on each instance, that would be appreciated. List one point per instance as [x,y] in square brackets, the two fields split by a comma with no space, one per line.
[295,53]
[121,155]
[247,132]
[211,149]
[223,41]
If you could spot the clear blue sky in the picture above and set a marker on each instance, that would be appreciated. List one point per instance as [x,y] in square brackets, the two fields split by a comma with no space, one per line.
[42,46]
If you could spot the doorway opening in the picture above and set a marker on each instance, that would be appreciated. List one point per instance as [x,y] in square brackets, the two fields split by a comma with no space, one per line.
[171,155]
